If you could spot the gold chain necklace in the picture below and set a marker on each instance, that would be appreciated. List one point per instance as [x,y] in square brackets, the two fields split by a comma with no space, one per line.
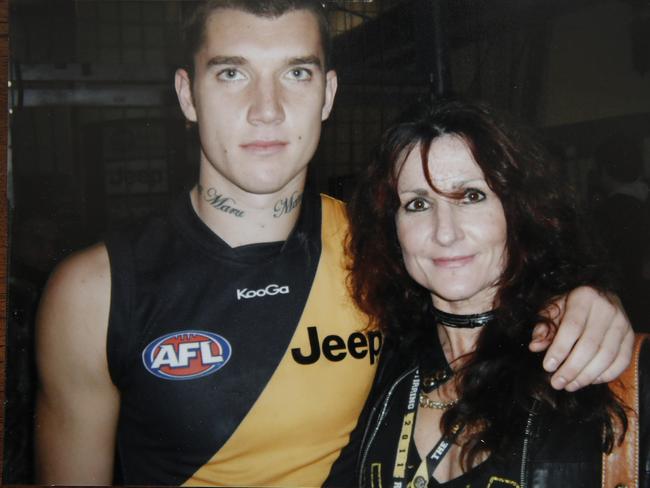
[427,402]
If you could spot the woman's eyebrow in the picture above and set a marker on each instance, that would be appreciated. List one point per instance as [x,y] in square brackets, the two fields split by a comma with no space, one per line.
[421,192]
[459,182]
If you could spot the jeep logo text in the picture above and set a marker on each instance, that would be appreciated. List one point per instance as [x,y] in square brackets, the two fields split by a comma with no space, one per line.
[336,348]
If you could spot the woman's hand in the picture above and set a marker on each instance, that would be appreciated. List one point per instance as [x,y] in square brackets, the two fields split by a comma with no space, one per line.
[593,343]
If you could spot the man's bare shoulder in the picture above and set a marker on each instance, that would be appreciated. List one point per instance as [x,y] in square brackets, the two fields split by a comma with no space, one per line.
[81,276]
[75,304]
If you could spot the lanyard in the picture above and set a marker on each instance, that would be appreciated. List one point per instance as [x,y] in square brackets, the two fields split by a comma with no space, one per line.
[430,463]
[435,456]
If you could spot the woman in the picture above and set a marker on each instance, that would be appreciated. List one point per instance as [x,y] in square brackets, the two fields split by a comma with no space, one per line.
[462,230]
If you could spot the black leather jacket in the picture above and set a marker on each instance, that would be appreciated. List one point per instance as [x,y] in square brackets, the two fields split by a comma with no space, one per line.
[553,452]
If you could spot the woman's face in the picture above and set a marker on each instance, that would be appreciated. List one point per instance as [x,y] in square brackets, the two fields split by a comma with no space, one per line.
[454,248]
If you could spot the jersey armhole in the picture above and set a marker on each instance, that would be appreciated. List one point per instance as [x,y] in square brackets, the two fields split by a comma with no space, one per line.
[120,339]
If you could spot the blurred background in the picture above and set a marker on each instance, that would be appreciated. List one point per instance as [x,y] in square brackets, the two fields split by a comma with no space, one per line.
[97,138]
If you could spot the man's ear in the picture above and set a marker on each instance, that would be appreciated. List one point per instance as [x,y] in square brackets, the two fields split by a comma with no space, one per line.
[183,86]
[331,84]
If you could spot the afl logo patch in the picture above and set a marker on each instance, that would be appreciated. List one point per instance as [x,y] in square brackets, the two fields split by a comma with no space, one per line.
[186,355]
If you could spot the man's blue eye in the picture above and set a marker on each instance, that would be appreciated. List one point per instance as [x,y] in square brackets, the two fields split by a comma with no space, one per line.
[300,74]
[229,74]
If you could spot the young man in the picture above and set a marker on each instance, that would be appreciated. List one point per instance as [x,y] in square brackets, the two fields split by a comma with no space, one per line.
[219,346]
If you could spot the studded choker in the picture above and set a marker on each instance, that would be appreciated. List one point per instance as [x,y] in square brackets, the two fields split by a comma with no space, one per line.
[464,321]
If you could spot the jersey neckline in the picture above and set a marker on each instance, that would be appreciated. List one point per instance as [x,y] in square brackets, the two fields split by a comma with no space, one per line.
[194,229]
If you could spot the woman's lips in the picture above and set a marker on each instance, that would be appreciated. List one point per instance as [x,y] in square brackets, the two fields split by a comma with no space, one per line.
[264,147]
[453,262]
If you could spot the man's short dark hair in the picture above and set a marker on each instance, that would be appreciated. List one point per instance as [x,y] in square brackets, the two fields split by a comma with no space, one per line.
[194,26]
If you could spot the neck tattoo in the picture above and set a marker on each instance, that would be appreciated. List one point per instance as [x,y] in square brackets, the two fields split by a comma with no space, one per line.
[287,205]
[464,321]
[221,202]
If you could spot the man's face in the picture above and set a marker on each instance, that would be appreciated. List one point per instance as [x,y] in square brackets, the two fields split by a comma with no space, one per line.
[259,96]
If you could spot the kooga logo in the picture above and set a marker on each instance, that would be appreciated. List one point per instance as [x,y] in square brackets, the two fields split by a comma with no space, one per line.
[270,290]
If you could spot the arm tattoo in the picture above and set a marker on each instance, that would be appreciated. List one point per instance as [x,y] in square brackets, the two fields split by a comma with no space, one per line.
[218,201]
[287,205]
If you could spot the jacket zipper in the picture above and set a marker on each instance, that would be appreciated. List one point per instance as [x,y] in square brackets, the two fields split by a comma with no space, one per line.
[380,417]
[523,478]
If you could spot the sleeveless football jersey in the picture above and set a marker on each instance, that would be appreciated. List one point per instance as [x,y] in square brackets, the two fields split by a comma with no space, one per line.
[239,366]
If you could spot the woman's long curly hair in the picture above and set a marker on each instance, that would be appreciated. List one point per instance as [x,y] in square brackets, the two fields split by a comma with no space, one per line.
[548,255]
